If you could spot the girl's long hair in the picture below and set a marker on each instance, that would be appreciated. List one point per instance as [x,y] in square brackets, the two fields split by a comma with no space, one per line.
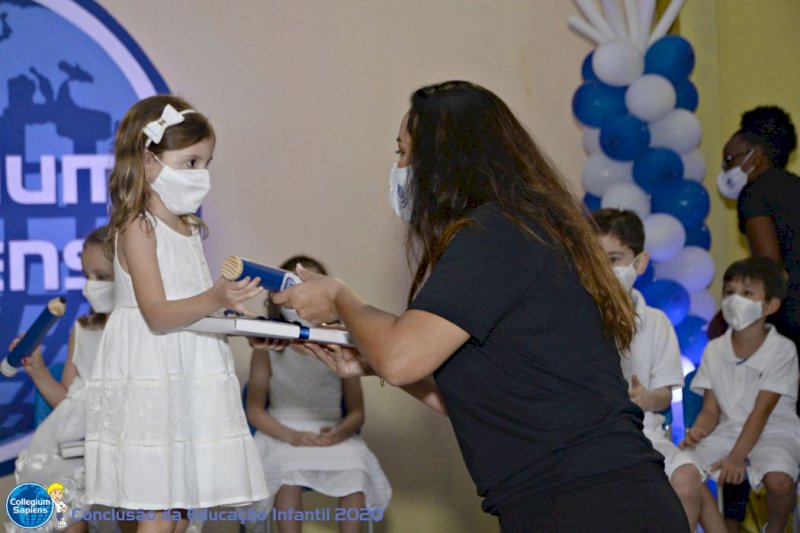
[95,320]
[128,187]
[467,149]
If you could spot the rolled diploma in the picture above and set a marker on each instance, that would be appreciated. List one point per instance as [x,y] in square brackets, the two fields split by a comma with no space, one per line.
[273,279]
[34,336]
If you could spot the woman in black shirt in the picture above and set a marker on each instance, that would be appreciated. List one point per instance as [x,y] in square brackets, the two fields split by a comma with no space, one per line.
[516,316]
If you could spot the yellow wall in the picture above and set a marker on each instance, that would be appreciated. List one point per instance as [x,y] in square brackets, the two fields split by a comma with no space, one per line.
[748,54]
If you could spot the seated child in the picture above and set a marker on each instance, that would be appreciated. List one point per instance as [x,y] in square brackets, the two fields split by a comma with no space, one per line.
[748,377]
[303,438]
[653,366]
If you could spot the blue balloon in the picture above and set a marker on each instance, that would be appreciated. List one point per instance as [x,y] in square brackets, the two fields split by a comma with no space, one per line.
[645,278]
[670,297]
[586,68]
[656,168]
[594,102]
[686,93]
[698,236]
[592,202]
[671,56]
[686,200]
[692,338]
[624,137]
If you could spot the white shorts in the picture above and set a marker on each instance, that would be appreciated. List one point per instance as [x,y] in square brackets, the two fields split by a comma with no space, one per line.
[674,457]
[776,451]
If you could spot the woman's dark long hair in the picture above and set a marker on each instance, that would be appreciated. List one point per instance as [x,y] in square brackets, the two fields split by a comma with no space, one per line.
[467,149]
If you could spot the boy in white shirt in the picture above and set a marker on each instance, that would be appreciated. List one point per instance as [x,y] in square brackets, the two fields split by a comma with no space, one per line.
[748,378]
[653,366]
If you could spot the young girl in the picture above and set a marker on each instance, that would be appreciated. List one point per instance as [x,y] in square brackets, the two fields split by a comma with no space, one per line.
[303,439]
[41,461]
[165,428]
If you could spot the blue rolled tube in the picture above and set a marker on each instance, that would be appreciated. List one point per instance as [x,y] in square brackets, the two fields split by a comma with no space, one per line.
[273,279]
[34,336]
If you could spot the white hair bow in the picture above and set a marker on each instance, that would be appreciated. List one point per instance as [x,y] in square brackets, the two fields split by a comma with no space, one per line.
[169,117]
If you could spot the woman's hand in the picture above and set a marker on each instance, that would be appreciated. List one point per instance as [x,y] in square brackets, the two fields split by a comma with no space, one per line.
[314,299]
[342,361]
[233,294]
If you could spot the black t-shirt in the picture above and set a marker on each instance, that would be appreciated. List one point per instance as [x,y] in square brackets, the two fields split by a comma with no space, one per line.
[536,396]
[776,194]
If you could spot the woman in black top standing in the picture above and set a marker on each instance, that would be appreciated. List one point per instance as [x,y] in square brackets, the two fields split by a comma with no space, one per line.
[515,323]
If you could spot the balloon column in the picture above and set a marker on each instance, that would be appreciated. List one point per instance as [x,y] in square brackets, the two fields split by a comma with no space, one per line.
[637,107]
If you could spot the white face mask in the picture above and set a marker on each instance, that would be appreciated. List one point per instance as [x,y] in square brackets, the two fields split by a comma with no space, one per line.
[731,182]
[740,312]
[626,275]
[100,295]
[398,191]
[290,315]
[182,191]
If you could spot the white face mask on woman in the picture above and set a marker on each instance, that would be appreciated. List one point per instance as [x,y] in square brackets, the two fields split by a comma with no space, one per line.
[182,191]
[100,295]
[398,191]
[740,312]
[731,182]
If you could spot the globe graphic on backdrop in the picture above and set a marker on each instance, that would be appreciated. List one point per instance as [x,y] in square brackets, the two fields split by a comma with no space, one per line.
[68,74]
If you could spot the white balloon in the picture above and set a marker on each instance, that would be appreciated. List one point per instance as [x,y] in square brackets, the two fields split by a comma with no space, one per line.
[692,267]
[678,131]
[694,166]
[617,62]
[703,304]
[591,140]
[627,196]
[664,236]
[601,172]
[650,98]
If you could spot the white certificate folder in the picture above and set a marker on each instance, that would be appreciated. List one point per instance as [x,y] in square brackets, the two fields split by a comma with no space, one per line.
[273,329]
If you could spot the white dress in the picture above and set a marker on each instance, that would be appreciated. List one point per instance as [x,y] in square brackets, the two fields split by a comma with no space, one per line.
[41,462]
[165,424]
[305,396]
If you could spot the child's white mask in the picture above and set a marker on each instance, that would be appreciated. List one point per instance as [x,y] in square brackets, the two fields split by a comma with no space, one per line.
[182,191]
[739,312]
[100,295]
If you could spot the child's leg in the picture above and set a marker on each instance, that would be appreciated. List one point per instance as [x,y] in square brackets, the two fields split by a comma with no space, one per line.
[710,518]
[183,524]
[288,499]
[781,499]
[687,483]
[78,526]
[351,501]
[157,525]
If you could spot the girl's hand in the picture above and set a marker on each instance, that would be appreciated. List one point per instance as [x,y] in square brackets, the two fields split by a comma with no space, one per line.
[233,294]
[306,438]
[732,470]
[34,362]
[314,299]
[260,343]
[693,437]
[342,361]
[332,435]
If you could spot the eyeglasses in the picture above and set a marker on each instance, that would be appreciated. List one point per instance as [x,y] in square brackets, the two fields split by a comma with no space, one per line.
[727,161]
